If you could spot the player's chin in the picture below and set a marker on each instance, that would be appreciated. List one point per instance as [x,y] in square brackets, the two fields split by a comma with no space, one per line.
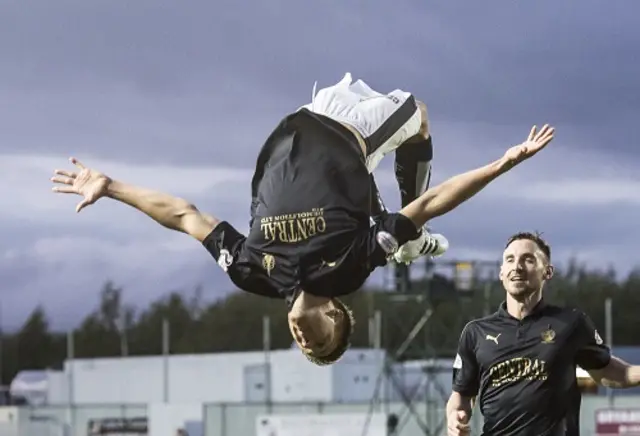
[520,289]
[314,354]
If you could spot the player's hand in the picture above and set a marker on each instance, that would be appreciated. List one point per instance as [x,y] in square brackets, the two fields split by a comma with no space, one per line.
[87,183]
[458,424]
[536,141]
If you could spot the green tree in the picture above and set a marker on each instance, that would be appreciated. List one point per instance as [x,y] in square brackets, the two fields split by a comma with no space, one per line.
[147,337]
[235,322]
[34,342]
[104,332]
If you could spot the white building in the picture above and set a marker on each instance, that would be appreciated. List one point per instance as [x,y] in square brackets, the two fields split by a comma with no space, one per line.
[232,378]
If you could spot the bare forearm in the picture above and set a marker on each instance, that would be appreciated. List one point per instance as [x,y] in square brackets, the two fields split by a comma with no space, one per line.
[165,209]
[628,377]
[453,192]
[633,376]
[458,189]
[618,374]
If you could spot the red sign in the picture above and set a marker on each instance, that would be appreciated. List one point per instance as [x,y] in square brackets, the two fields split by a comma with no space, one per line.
[618,422]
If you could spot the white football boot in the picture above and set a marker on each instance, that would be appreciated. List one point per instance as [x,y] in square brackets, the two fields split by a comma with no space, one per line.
[427,244]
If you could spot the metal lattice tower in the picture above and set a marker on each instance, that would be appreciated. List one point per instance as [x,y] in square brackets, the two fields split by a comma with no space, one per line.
[467,277]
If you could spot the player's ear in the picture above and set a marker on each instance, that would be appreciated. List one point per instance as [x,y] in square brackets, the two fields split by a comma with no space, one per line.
[549,272]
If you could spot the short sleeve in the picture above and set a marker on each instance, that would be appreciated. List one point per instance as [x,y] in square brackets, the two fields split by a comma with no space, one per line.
[389,232]
[592,353]
[227,246]
[466,375]
[224,243]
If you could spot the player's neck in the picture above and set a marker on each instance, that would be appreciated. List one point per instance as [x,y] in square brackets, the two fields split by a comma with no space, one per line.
[307,301]
[521,308]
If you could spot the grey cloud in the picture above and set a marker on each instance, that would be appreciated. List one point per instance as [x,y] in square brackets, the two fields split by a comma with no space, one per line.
[574,67]
[599,235]
[130,128]
[147,270]
[495,68]
[485,224]
[204,83]
[63,262]
[146,81]
[68,280]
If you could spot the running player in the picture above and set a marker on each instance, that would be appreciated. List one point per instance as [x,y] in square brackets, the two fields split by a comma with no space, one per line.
[311,239]
[521,361]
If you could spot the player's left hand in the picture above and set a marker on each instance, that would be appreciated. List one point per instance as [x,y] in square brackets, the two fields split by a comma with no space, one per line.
[458,424]
[88,183]
[536,141]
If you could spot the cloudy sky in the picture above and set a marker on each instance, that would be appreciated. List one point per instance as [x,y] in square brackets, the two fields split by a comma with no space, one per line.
[179,96]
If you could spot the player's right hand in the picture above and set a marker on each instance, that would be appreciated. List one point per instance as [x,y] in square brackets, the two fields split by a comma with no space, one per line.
[88,183]
[458,424]
[536,141]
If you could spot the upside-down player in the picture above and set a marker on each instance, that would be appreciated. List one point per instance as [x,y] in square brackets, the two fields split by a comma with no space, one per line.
[311,239]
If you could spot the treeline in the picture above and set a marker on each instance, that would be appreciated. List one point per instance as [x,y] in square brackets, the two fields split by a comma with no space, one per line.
[235,323]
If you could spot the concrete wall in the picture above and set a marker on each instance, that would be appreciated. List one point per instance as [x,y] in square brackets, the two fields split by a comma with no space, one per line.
[213,378]
[239,419]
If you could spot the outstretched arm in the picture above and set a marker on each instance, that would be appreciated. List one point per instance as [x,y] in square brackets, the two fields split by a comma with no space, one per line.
[171,212]
[594,356]
[618,374]
[453,192]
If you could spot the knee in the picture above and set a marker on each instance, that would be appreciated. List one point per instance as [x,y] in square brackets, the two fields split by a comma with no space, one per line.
[424,118]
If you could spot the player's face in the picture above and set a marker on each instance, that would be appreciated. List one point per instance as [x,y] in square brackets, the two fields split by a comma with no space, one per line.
[313,328]
[524,269]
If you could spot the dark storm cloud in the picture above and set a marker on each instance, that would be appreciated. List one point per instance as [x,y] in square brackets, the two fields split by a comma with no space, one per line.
[189,80]
[202,83]
[487,223]
[478,228]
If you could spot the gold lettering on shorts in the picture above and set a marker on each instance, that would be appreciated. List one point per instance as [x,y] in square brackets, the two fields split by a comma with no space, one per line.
[292,228]
[517,369]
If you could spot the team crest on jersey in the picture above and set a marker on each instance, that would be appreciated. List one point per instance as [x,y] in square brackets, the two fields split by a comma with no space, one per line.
[548,336]
[225,259]
[388,243]
[268,263]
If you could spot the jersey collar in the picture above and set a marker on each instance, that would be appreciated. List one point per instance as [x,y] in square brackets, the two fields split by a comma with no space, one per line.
[537,310]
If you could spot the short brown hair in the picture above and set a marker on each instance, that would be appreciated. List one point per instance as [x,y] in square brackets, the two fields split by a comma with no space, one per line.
[344,341]
[534,237]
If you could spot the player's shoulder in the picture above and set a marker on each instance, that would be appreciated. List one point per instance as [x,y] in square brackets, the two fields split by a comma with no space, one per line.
[476,326]
[568,312]
[569,315]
